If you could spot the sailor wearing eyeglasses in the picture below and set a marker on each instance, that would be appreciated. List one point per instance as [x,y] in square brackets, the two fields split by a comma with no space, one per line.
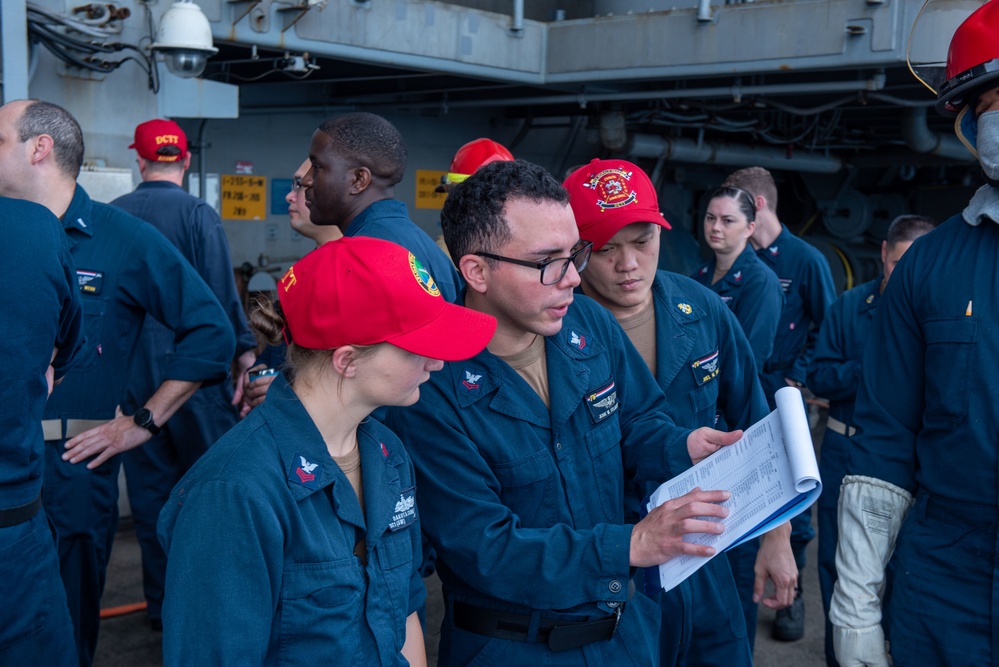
[522,452]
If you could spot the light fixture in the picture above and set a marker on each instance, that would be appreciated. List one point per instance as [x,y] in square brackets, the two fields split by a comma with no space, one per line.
[185,39]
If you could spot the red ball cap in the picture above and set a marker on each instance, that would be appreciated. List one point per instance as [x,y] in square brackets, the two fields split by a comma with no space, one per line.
[608,195]
[160,140]
[364,291]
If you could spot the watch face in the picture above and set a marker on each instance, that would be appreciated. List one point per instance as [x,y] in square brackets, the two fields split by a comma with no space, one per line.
[143,417]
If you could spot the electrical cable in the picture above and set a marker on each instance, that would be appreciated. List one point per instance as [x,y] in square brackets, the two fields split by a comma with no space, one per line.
[112,27]
[43,27]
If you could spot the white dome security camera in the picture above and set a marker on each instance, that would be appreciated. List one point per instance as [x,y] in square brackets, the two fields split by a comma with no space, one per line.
[185,39]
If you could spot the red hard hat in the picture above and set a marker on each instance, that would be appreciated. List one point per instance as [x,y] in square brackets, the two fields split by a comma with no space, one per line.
[473,156]
[973,57]
[478,153]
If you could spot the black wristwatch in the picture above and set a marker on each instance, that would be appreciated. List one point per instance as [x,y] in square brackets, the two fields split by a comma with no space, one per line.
[144,418]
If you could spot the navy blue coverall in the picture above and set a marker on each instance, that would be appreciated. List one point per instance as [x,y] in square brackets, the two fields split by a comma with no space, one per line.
[260,537]
[40,311]
[525,504]
[928,414]
[753,292]
[808,290]
[705,367]
[125,270]
[194,228]
[835,375]
[389,220]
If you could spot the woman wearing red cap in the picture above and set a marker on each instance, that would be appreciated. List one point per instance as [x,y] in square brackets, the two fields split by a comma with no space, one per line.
[736,274]
[296,538]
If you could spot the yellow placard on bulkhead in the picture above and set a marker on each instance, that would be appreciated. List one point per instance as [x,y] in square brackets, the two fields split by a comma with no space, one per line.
[244,197]
[426,181]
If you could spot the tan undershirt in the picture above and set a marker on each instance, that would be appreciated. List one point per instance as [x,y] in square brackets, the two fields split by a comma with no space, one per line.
[350,464]
[641,330]
[530,365]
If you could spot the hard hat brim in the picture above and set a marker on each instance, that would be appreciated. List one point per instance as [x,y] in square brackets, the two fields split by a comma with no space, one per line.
[953,92]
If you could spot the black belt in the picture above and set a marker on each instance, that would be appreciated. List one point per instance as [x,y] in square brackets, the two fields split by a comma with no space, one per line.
[773,368]
[16,515]
[559,635]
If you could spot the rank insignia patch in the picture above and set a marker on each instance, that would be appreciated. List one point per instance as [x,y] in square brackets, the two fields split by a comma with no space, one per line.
[471,381]
[306,473]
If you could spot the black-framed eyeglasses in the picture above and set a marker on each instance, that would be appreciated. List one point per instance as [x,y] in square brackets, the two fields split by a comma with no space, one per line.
[578,258]
[296,184]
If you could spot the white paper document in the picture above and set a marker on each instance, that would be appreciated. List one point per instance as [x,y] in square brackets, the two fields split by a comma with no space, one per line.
[771,472]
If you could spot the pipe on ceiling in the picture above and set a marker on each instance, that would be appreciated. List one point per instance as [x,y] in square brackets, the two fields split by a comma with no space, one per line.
[736,92]
[704,11]
[518,17]
[202,160]
[733,155]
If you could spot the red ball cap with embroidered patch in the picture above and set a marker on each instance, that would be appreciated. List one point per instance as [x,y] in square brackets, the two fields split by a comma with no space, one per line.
[608,195]
[364,291]
[160,140]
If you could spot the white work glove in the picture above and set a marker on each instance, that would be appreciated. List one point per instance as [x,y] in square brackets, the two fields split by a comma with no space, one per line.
[860,648]
[871,512]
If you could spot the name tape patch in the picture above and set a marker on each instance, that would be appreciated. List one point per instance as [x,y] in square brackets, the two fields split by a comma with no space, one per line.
[603,402]
[90,282]
[404,513]
[705,369]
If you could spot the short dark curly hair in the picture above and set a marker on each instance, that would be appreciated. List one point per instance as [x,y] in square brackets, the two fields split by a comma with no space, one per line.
[472,219]
[368,140]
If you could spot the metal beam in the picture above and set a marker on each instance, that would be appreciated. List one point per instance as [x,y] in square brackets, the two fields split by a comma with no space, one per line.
[804,35]
[14,49]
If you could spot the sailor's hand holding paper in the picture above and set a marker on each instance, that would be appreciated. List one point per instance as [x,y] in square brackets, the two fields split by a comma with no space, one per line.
[703,442]
[659,536]
[772,475]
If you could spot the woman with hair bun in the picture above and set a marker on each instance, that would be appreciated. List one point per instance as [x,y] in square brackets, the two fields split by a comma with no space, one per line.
[747,285]
[296,538]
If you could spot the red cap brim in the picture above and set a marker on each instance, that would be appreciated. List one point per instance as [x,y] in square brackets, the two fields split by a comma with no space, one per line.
[457,333]
[603,230]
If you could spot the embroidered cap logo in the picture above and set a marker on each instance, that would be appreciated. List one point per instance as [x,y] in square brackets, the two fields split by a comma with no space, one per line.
[423,276]
[613,188]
